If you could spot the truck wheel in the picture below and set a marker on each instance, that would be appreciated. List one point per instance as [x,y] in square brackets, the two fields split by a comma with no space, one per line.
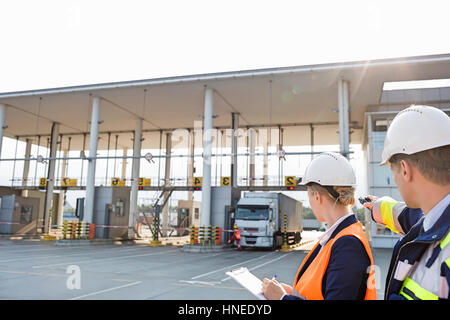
[274,242]
[298,237]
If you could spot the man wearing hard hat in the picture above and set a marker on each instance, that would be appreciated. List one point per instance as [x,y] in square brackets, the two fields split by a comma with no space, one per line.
[236,236]
[417,148]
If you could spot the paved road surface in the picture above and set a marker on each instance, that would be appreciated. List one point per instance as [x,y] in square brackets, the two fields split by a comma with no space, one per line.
[41,270]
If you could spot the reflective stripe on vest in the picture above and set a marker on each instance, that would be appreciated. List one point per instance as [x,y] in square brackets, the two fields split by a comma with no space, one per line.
[310,283]
[445,241]
[411,290]
[386,212]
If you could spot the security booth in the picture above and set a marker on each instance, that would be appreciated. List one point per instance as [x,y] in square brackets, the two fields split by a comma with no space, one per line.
[111,212]
[18,215]
[191,210]
[223,202]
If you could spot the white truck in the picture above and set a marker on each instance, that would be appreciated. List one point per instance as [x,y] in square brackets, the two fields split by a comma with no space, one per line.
[261,216]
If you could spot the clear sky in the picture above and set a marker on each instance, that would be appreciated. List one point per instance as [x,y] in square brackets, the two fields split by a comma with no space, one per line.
[52,43]
[60,43]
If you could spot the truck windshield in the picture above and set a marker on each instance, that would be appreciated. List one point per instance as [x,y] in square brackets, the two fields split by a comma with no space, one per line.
[252,213]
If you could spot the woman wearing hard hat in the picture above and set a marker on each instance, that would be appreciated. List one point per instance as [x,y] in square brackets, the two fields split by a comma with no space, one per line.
[340,266]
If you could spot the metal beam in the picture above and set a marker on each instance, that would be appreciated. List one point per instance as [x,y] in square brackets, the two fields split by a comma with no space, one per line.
[135,177]
[207,148]
[93,143]
[50,177]
[343,111]
[165,209]
[2,125]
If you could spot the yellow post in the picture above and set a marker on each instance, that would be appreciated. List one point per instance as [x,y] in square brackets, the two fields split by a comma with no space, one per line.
[64,229]
[285,247]
[192,235]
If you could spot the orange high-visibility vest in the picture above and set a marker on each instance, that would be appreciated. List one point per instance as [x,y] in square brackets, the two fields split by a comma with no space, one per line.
[310,283]
[237,234]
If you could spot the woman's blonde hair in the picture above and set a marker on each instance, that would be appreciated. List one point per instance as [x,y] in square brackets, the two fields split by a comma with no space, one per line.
[345,195]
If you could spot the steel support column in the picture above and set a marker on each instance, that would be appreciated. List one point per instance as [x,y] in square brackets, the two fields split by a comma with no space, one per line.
[62,193]
[50,177]
[165,210]
[93,143]
[234,146]
[343,110]
[137,143]
[207,148]
[124,164]
[2,124]
[26,164]
[252,147]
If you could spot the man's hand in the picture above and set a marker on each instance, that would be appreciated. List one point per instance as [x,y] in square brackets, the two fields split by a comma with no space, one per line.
[272,289]
[369,205]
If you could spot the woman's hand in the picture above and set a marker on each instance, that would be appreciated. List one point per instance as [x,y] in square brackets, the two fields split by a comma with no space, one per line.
[272,289]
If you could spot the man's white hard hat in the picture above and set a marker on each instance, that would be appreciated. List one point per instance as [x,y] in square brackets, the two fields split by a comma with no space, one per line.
[416,129]
[330,169]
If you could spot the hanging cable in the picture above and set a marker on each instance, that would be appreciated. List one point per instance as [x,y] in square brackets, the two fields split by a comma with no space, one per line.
[115,154]
[36,164]
[107,158]
[58,172]
[14,163]
[82,161]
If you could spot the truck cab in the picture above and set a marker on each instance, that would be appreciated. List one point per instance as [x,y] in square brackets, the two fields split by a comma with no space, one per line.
[255,219]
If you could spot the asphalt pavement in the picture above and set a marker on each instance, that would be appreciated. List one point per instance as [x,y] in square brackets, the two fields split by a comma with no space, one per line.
[31,269]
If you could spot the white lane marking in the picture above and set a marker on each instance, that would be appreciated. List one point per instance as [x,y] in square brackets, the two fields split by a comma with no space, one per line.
[64,248]
[101,260]
[228,267]
[106,290]
[210,283]
[66,255]
[262,264]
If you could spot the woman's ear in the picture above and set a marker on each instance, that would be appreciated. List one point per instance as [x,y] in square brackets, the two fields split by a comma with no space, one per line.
[318,197]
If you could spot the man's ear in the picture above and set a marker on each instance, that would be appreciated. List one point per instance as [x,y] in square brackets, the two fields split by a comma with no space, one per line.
[406,171]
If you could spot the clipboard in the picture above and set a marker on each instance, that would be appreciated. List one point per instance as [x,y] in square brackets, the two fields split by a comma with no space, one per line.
[248,280]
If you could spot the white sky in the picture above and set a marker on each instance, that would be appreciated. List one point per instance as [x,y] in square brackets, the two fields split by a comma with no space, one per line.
[60,43]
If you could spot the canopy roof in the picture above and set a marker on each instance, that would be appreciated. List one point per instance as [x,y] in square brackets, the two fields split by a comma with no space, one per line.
[294,97]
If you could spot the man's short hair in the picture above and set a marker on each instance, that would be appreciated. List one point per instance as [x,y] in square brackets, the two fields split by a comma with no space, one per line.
[433,164]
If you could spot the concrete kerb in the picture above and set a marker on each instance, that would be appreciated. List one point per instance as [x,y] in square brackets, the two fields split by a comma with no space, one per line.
[208,249]
[202,249]
[84,242]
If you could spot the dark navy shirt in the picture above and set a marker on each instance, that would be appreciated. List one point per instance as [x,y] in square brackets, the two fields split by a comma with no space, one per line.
[347,271]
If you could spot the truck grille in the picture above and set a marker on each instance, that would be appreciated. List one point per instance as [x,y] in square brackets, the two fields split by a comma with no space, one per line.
[251,229]
[250,240]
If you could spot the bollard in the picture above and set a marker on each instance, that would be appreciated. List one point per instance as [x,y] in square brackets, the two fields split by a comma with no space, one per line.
[69,229]
[91,230]
[155,242]
[196,232]
[79,229]
[64,229]
[219,236]
[209,235]
[203,231]
[285,247]
[192,235]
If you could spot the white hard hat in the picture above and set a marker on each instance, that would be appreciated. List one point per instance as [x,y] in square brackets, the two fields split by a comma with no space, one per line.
[330,169]
[416,129]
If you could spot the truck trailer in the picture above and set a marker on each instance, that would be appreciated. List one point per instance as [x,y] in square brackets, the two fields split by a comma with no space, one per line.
[265,218]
